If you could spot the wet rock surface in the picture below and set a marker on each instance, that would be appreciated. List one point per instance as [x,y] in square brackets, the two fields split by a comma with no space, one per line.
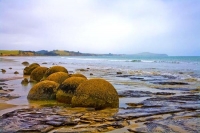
[7,96]
[148,77]
[170,83]
[170,107]
[156,114]
[131,93]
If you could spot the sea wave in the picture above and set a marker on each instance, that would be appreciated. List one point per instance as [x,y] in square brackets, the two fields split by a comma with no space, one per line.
[145,61]
[85,59]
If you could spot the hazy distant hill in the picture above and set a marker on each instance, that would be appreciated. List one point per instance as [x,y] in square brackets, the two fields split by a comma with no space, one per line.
[150,54]
[66,53]
[43,53]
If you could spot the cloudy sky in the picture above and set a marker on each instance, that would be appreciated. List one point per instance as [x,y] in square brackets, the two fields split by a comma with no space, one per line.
[101,26]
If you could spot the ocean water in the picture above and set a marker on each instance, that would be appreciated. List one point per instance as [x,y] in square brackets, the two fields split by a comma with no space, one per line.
[171,64]
[138,73]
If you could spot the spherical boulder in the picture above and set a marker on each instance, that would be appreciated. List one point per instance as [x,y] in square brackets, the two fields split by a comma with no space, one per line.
[45,90]
[96,93]
[54,69]
[67,89]
[78,75]
[29,69]
[58,77]
[37,74]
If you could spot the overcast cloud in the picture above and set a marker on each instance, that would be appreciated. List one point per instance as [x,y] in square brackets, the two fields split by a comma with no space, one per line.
[101,26]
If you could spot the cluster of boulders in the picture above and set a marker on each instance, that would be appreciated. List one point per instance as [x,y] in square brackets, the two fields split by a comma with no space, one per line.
[55,83]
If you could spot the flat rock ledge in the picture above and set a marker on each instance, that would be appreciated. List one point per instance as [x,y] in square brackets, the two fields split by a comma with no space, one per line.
[172,114]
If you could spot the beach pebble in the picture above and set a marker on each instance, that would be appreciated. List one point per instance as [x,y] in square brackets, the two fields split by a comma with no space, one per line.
[3,70]
[119,72]
[16,72]
[25,63]
[24,81]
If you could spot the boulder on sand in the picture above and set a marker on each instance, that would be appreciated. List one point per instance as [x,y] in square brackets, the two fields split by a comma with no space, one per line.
[78,75]
[96,93]
[58,77]
[37,74]
[45,90]
[29,69]
[54,69]
[67,89]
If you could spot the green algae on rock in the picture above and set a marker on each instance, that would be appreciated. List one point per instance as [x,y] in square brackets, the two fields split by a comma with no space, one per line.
[96,93]
[58,77]
[37,74]
[44,90]
[29,69]
[78,75]
[67,89]
[54,69]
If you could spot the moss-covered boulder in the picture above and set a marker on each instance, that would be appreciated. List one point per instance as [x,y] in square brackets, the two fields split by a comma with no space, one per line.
[58,77]
[54,69]
[96,93]
[37,74]
[78,75]
[25,63]
[67,89]
[29,69]
[45,90]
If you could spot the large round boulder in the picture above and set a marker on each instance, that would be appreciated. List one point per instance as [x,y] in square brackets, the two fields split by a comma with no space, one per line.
[78,75]
[37,74]
[45,90]
[96,93]
[55,69]
[67,89]
[29,69]
[58,77]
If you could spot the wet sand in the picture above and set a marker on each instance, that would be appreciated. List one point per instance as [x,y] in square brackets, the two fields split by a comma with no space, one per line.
[6,106]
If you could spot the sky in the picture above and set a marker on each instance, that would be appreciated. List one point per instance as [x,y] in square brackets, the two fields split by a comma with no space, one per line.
[102,26]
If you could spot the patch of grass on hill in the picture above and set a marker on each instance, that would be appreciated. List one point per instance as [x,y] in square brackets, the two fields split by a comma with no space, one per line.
[62,52]
[9,52]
